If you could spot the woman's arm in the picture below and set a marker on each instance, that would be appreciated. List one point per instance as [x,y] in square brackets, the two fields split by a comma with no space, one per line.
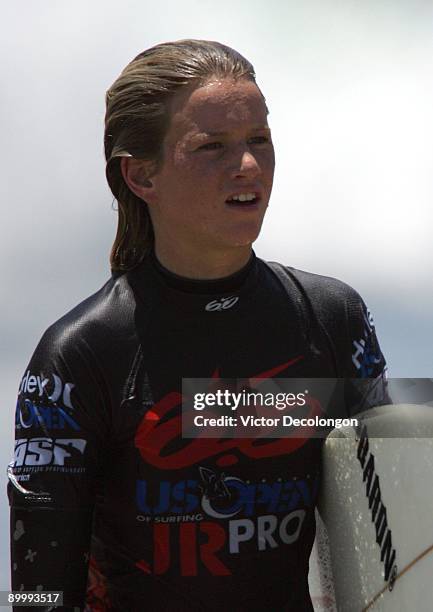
[53,480]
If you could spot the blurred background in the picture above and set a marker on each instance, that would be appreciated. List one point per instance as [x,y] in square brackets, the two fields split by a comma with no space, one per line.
[350,92]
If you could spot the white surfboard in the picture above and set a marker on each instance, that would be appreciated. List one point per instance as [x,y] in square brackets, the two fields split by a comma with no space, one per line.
[377,505]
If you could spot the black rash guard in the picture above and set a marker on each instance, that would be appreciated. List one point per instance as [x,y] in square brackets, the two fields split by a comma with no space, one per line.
[104,491]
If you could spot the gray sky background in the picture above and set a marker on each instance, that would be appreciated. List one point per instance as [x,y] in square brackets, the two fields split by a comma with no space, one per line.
[350,92]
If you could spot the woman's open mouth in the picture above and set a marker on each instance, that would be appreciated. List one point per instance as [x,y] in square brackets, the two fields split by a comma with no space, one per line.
[243,200]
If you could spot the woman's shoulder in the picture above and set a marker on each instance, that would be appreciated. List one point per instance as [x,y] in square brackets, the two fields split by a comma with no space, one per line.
[341,314]
[100,318]
[317,287]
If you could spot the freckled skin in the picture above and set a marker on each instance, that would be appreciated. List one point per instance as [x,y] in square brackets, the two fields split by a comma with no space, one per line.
[191,219]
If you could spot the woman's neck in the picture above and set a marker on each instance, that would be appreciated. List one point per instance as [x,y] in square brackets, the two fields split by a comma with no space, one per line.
[204,266]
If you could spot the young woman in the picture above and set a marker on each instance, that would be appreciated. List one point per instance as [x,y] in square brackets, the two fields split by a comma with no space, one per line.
[104,490]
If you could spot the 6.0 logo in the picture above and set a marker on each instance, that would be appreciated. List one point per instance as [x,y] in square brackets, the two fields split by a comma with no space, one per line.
[221,304]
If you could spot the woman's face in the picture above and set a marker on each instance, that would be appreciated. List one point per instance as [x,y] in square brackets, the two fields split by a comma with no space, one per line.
[218,146]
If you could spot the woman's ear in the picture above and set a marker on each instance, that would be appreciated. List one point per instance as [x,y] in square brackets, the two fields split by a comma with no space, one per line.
[135,172]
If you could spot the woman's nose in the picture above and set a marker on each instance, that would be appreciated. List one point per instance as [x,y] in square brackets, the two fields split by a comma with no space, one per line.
[247,165]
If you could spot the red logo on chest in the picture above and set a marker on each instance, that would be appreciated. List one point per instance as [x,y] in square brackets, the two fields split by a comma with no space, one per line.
[153,437]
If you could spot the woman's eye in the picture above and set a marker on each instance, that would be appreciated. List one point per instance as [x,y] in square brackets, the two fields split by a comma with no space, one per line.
[211,145]
[260,139]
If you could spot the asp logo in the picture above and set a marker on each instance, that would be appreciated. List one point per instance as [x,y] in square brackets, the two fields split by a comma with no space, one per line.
[221,304]
[53,387]
[46,451]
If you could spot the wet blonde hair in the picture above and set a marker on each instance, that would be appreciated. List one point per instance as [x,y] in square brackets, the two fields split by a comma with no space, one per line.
[137,119]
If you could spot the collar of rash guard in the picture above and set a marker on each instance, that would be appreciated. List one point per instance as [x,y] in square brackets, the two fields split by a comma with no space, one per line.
[215,286]
[215,296]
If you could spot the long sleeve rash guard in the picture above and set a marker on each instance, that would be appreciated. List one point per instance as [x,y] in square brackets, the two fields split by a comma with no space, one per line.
[109,503]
